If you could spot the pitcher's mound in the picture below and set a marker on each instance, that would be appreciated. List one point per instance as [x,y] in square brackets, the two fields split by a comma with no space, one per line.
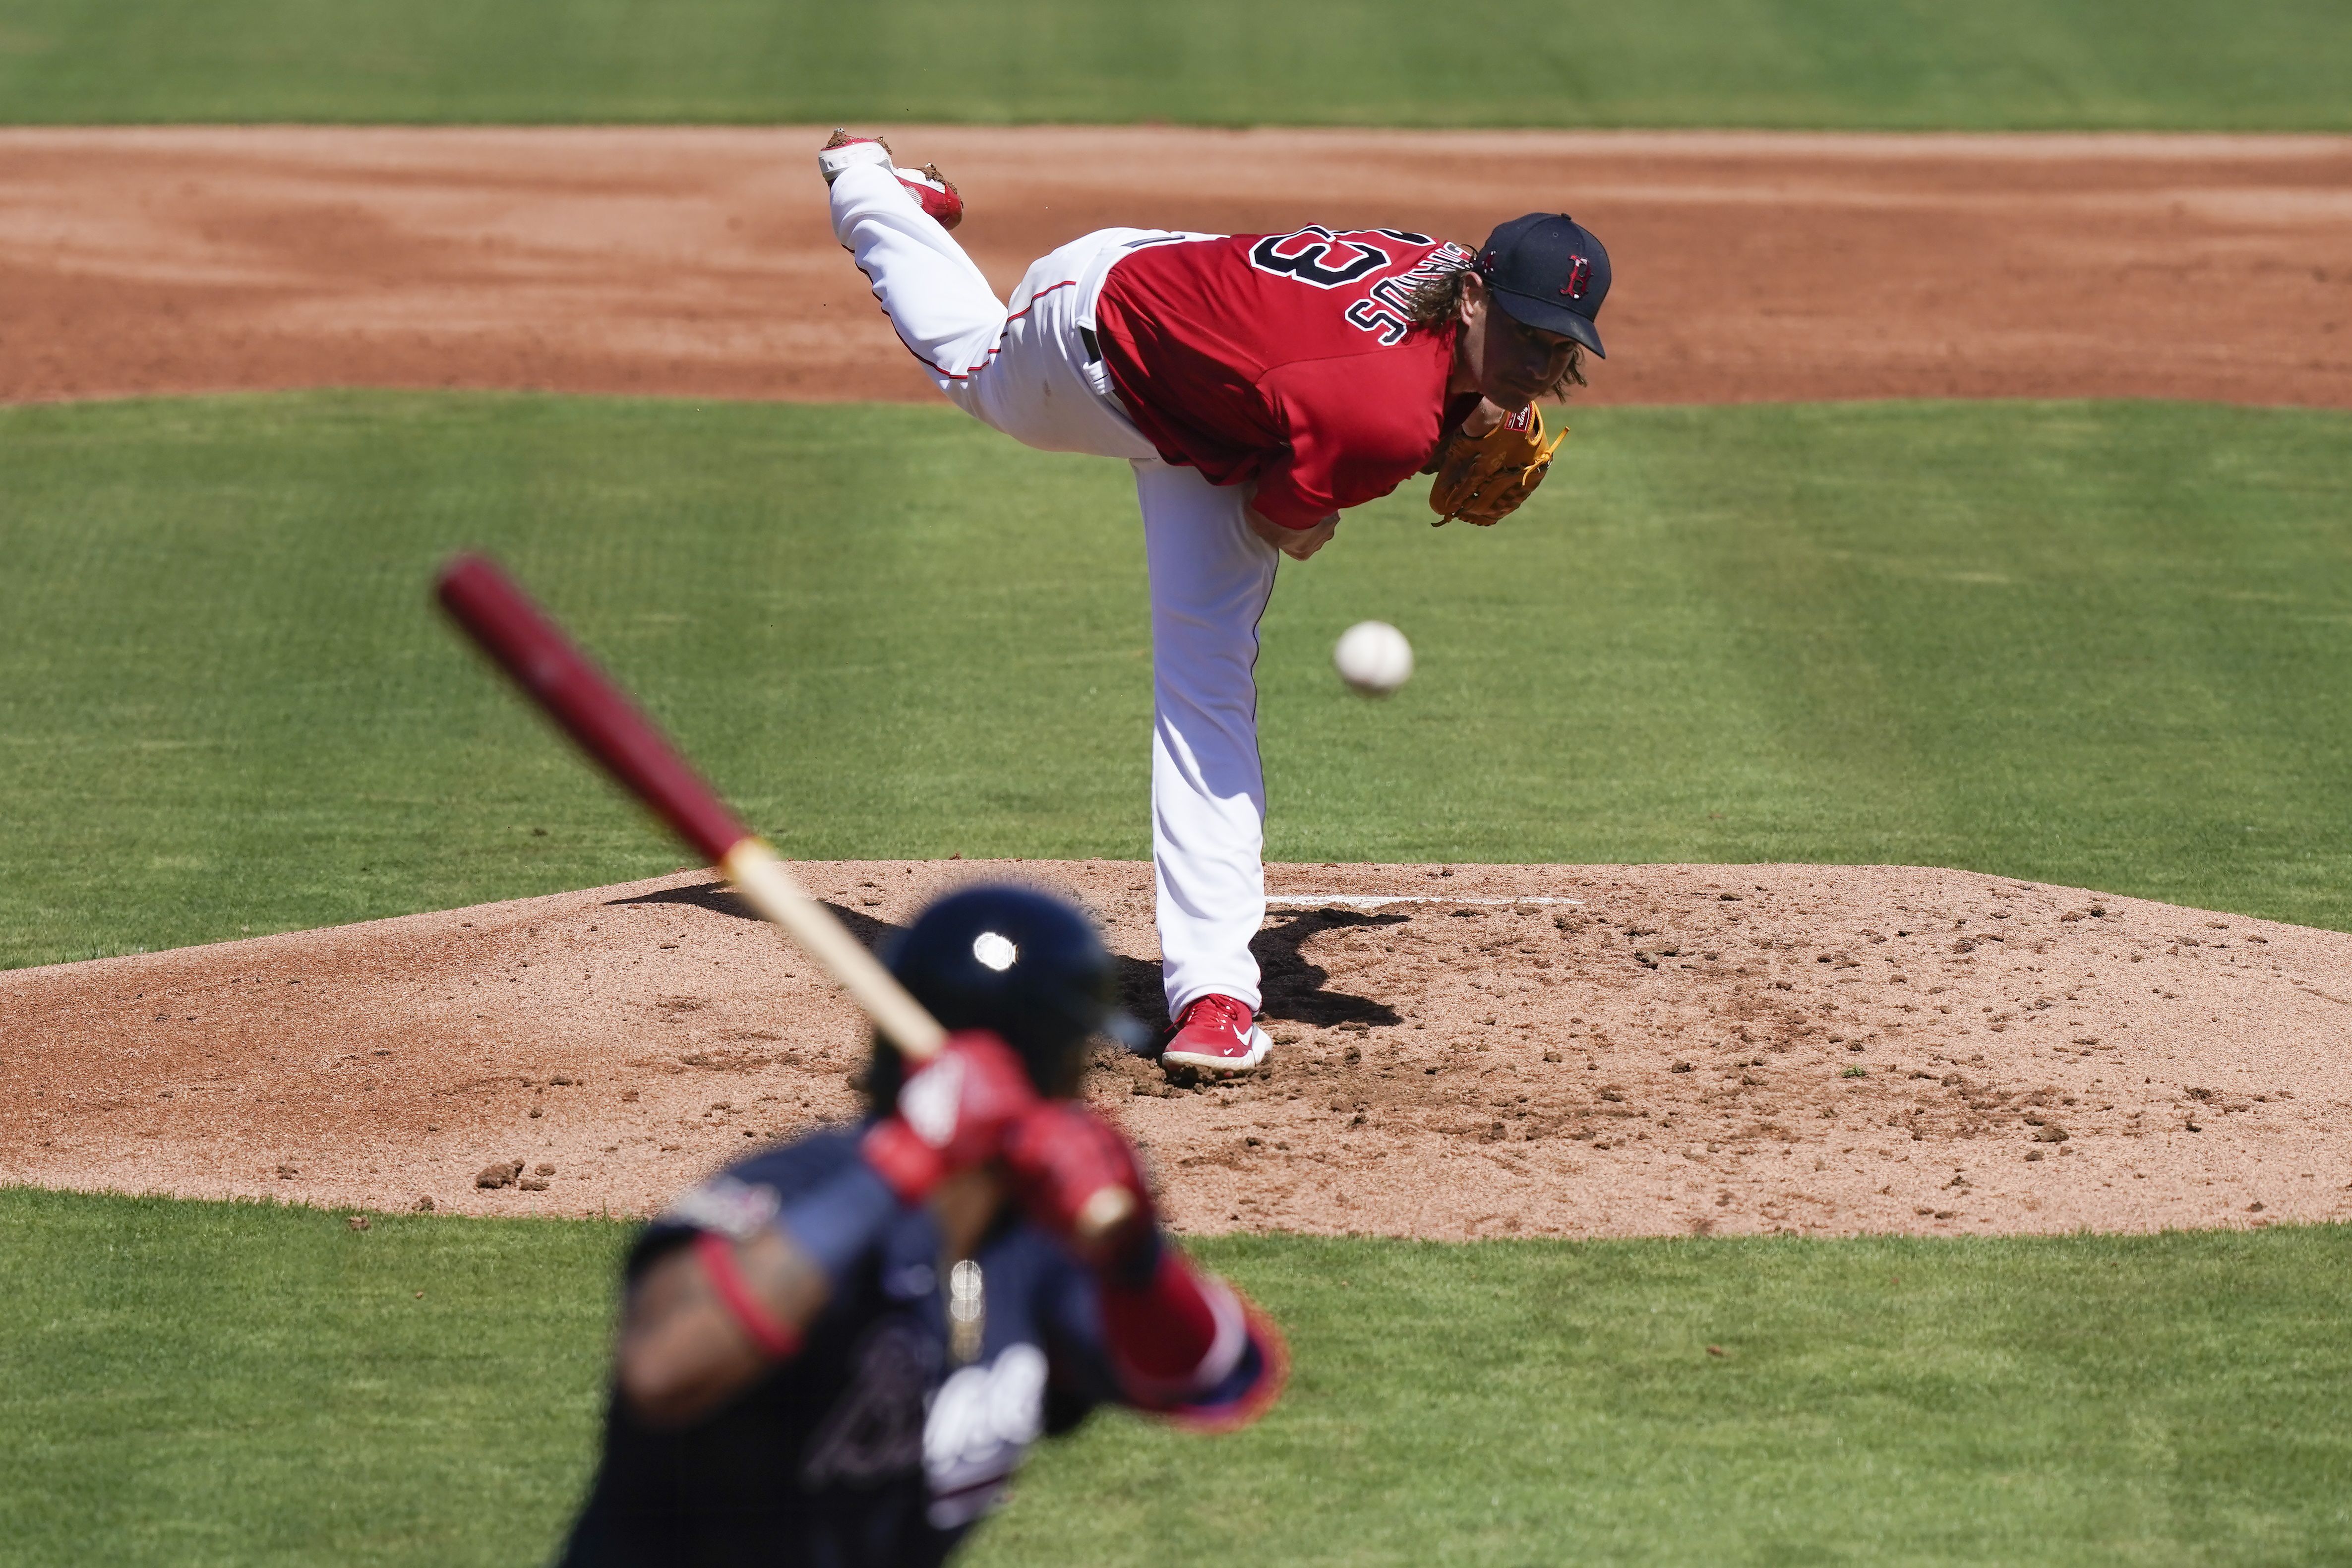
[1474,1050]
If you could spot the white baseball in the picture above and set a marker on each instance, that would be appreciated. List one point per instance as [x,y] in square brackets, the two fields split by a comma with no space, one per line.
[1374,657]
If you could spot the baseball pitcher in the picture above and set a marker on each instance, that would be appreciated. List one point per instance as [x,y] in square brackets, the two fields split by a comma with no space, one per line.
[1260,385]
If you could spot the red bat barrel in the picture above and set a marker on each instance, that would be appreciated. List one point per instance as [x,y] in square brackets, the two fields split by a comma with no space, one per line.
[516,633]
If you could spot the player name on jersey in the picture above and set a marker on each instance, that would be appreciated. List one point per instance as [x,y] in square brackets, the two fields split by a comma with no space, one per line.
[1286,358]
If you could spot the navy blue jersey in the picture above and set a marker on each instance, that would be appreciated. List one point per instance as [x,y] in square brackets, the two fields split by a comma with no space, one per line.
[888,1436]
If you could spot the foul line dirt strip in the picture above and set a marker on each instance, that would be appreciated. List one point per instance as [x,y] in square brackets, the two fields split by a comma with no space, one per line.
[697,261]
[1729,1048]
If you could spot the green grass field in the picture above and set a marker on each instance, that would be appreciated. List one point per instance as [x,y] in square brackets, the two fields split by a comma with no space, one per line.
[2105,644]
[2108,646]
[241,1383]
[2267,65]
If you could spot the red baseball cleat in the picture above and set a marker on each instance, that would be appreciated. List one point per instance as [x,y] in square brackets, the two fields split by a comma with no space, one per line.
[1215,1034]
[939,198]
[926,185]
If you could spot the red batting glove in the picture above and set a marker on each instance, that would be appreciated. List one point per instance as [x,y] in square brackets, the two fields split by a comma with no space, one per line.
[1079,1179]
[953,1114]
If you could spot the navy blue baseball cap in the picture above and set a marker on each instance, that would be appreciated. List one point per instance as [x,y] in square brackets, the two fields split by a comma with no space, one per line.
[1548,271]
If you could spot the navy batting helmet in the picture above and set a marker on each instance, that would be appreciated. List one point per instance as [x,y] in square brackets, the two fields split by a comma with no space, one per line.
[1023,964]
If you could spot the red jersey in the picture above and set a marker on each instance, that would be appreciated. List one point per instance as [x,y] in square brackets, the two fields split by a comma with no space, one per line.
[1283,358]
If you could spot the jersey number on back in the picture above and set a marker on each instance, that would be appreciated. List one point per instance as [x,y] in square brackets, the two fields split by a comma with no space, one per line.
[1315,255]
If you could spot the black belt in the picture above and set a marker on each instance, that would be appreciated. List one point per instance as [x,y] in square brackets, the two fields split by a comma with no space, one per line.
[1093,348]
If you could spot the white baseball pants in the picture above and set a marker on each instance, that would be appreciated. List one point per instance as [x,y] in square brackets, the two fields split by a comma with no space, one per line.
[1024,369]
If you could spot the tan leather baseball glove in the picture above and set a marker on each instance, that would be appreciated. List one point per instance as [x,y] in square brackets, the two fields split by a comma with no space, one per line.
[1482,480]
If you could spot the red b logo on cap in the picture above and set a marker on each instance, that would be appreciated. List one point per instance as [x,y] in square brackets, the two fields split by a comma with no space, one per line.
[1579,273]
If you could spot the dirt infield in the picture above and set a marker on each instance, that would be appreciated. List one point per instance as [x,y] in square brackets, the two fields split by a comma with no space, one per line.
[1530,1050]
[697,261]
[1518,1050]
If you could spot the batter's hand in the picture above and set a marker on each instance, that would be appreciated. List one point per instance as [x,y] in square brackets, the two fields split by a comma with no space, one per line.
[953,1114]
[1298,543]
[1074,1170]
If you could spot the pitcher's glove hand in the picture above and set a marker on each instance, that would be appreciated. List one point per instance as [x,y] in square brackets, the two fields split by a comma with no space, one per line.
[1482,480]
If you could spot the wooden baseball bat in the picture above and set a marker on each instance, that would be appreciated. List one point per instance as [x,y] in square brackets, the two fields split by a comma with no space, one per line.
[528,646]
